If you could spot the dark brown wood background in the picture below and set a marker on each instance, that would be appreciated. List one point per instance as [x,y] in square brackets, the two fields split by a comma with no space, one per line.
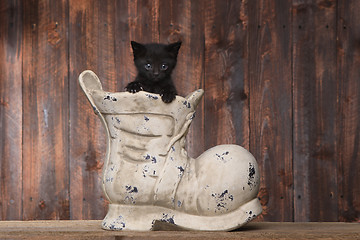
[281,78]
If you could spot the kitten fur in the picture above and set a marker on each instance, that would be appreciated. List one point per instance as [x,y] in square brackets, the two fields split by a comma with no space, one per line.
[155,63]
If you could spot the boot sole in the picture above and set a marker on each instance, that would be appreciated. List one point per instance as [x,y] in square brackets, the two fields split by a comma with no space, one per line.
[145,218]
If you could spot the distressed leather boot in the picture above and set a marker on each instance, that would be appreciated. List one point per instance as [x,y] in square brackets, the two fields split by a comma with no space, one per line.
[149,179]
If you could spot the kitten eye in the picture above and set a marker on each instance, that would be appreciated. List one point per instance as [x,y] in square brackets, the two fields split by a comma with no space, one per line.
[164,67]
[148,66]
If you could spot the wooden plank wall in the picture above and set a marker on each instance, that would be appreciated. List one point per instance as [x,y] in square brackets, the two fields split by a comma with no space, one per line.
[271,103]
[281,78]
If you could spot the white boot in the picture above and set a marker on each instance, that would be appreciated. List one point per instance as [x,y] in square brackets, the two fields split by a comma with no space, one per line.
[148,177]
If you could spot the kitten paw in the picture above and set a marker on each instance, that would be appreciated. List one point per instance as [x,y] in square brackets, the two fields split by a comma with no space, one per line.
[167,97]
[134,87]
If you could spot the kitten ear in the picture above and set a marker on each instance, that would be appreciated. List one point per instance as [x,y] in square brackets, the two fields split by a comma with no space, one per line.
[138,49]
[174,48]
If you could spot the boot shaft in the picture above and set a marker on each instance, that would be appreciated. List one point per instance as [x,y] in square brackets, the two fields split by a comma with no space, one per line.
[144,134]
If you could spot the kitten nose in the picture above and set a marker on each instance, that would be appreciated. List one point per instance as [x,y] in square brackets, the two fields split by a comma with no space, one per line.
[156,72]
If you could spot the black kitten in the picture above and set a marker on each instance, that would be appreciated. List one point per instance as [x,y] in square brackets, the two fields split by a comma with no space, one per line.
[154,63]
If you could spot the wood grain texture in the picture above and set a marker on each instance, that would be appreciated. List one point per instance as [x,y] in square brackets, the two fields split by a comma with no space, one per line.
[271,104]
[348,110]
[257,231]
[92,47]
[315,164]
[45,110]
[184,23]
[10,110]
[226,73]
[124,24]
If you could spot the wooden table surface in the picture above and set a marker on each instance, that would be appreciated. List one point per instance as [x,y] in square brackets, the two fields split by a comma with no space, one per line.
[92,230]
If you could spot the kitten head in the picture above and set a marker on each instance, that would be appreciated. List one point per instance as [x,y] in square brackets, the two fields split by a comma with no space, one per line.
[155,62]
